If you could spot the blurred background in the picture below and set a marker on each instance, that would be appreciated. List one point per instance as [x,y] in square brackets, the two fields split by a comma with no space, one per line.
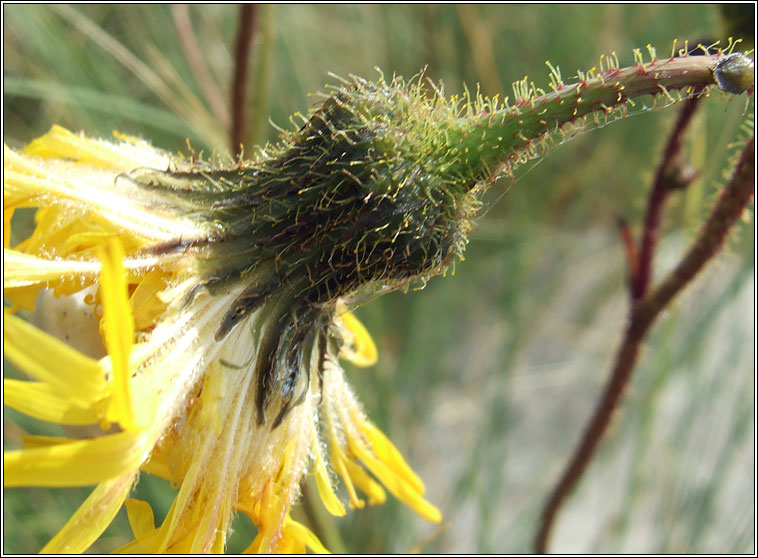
[486,378]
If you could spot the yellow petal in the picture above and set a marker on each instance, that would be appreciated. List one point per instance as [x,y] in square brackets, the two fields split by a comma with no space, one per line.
[146,544]
[255,546]
[388,453]
[324,485]
[26,270]
[22,270]
[362,351]
[304,536]
[141,518]
[89,195]
[401,489]
[60,143]
[42,401]
[269,528]
[92,517]
[27,183]
[76,462]
[149,544]
[159,465]
[146,305]
[22,297]
[353,474]
[288,546]
[339,466]
[119,332]
[178,523]
[220,540]
[31,442]
[78,242]
[49,360]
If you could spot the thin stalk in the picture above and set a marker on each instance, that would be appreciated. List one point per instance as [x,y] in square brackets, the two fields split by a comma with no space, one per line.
[630,250]
[663,185]
[242,64]
[733,200]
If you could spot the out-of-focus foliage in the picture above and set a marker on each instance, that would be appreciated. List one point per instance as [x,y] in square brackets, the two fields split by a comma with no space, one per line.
[485,378]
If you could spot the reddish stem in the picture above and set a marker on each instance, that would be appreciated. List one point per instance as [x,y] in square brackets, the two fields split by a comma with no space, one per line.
[239,86]
[630,249]
[658,196]
[732,202]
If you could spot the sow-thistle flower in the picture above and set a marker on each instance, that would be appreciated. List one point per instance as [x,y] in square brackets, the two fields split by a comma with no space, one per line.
[222,294]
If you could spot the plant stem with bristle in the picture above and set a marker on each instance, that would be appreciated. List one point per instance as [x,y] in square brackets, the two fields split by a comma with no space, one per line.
[378,187]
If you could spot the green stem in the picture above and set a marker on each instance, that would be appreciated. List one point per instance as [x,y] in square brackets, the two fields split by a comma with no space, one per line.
[483,140]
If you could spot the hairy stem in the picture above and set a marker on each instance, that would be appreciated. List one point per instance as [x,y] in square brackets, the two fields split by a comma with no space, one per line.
[492,137]
[733,200]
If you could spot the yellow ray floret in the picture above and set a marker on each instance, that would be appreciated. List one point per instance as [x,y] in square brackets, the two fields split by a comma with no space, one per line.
[170,398]
[44,402]
[359,348]
[119,332]
[92,517]
[45,358]
[76,462]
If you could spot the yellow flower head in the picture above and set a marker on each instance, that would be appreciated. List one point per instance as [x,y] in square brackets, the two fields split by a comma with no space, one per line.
[216,376]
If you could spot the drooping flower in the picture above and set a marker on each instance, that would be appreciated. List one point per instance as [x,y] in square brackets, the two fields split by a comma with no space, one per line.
[183,401]
[223,291]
